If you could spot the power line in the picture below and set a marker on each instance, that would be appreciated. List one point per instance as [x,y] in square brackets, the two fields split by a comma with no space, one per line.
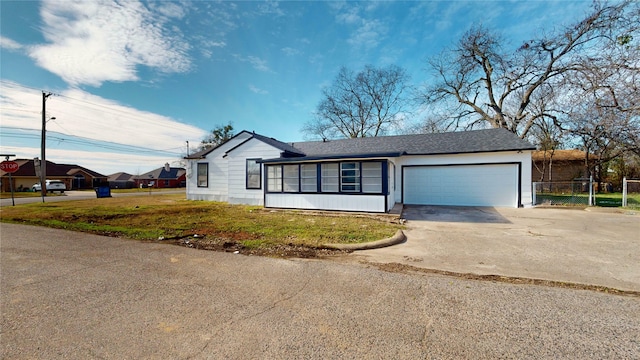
[76,139]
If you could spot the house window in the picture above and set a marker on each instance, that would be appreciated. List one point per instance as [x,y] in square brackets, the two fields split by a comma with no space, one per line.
[350,177]
[339,177]
[253,174]
[166,183]
[330,178]
[309,177]
[203,175]
[290,178]
[274,178]
[372,177]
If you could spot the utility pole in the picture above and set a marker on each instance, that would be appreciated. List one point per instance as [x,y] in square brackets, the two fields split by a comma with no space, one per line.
[43,159]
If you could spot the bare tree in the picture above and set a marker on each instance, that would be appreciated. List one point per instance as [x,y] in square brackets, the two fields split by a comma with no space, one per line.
[368,103]
[486,85]
[217,136]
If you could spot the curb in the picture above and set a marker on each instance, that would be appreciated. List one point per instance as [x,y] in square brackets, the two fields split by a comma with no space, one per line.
[395,239]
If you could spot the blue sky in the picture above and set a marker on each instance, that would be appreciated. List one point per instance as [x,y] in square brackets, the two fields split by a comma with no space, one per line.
[134,81]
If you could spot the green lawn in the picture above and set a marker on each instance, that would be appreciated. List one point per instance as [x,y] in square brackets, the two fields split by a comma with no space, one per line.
[170,216]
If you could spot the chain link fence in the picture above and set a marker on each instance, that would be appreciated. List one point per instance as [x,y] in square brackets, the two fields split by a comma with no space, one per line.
[631,193]
[584,192]
[569,193]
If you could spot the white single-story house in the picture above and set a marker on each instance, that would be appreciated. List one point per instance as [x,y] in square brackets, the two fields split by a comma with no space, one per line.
[471,168]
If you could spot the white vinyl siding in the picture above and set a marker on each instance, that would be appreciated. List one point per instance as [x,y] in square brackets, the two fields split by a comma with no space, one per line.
[274,178]
[251,149]
[341,202]
[309,177]
[372,177]
[330,178]
[290,178]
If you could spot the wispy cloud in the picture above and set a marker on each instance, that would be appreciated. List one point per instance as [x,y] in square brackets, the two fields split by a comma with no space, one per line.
[290,51]
[257,90]
[90,42]
[9,44]
[257,63]
[367,32]
[93,118]
[270,8]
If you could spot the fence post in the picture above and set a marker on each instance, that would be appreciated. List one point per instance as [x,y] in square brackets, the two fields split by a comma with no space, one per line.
[624,191]
[533,193]
[591,202]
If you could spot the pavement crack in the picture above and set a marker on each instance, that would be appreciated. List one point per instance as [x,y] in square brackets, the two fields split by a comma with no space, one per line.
[275,303]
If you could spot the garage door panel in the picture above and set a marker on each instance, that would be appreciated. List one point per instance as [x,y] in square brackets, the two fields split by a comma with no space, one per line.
[462,185]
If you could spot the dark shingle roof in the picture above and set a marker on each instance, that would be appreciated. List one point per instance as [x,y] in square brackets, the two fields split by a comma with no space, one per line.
[475,141]
[279,144]
[120,176]
[490,140]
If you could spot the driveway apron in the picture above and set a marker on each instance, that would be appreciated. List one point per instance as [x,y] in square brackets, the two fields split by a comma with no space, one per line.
[592,247]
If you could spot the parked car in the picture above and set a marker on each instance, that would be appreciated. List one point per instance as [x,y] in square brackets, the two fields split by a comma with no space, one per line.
[51,185]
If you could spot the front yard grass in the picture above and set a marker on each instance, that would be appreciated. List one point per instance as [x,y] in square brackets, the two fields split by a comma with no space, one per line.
[167,217]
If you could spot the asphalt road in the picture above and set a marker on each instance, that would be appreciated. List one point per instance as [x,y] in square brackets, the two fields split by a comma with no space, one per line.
[78,296]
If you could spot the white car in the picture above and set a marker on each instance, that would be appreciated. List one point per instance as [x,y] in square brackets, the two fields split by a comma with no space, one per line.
[51,185]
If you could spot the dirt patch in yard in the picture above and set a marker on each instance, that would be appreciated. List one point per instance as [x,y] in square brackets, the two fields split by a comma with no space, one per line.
[406,269]
[231,244]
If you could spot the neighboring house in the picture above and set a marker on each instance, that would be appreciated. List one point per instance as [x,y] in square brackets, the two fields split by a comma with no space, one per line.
[74,176]
[121,180]
[164,177]
[559,166]
[473,168]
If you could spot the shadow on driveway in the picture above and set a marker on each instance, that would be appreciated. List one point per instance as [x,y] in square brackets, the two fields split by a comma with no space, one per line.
[465,214]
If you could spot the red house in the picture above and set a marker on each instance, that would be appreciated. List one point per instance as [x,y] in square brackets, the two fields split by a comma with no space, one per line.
[164,177]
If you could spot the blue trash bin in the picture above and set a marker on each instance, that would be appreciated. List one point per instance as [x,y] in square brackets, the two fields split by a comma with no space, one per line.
[103,191]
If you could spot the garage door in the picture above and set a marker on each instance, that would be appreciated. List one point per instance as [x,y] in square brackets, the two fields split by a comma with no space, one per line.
[462,185]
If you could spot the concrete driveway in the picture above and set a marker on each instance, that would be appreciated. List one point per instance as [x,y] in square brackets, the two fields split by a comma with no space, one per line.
[594,246]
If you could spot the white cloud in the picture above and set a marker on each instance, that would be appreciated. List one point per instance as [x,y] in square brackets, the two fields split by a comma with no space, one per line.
[257,63]
[270,8]
[290,51]
[81,115]
[368,35]
[90,42]
[169,9]
[9,44]
[350,16]
[257,90]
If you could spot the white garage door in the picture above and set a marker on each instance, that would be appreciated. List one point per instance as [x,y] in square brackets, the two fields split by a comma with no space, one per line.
[462,185]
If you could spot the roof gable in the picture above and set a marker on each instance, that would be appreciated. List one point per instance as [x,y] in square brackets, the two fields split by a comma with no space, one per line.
[203,153]
[287,149]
